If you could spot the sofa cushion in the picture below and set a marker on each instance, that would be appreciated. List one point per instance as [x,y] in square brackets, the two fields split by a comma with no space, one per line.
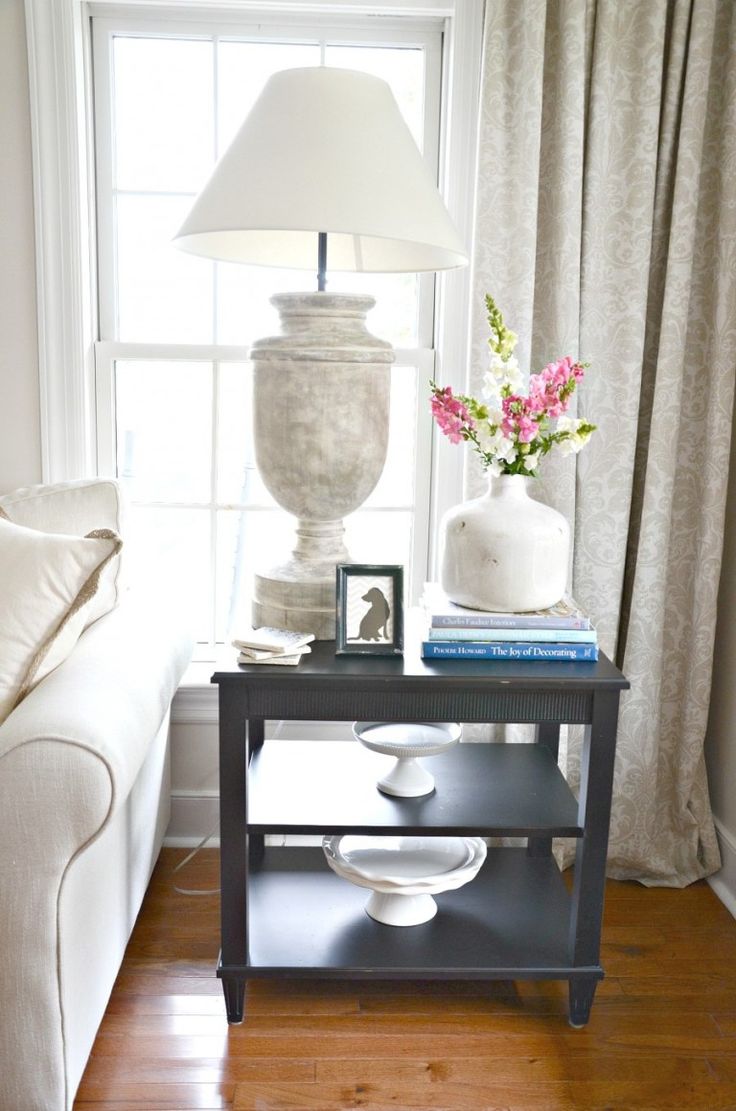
[47,583]
[74,509]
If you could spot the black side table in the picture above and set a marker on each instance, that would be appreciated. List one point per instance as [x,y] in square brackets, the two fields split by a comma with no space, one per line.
[285,913]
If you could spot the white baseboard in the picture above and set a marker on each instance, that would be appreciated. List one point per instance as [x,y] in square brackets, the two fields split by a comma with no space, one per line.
[194,807]
[194,815]
[724,881]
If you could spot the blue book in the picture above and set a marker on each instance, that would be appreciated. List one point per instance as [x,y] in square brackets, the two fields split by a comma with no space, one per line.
[530,636]
[506,650]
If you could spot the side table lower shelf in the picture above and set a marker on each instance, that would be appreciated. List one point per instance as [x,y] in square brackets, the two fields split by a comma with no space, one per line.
[511,922]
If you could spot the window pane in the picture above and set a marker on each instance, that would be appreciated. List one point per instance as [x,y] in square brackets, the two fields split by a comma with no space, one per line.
[164,119]
[172,546]
[245,314]
[401,67]
[247,541]
[164,429]
[396,315]
[244,311]
[163,294]
[374,537]
[243,69]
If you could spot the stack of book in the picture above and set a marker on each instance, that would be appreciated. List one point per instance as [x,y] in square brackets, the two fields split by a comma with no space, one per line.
[562,632]
[272,646]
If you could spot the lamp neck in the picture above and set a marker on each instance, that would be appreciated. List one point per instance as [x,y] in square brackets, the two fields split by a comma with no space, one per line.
[321,261]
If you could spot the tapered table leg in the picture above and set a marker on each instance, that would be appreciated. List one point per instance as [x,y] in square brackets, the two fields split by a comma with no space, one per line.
[234,992]
[581,992]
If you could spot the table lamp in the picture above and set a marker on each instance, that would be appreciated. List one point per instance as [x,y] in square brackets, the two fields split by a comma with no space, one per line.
[322,173]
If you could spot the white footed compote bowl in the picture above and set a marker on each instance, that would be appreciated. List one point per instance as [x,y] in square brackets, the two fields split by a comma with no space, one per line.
[408,742]
[403,873]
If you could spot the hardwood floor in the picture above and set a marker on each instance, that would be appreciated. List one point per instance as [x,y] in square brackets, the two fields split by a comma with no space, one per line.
[662,1032]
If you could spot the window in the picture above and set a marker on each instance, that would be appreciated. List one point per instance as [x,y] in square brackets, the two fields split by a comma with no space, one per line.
[167,408]
[175,330]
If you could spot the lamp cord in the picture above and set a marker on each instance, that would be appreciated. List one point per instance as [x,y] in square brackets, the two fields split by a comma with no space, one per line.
[213,832]
[190,856]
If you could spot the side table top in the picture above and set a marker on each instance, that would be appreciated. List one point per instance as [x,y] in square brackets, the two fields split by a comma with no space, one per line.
[323,666]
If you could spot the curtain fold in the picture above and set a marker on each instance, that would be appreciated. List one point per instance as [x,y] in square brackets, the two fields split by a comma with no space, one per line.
[606,229]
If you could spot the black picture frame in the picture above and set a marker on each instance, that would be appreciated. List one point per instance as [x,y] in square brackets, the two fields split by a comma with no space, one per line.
[363,625]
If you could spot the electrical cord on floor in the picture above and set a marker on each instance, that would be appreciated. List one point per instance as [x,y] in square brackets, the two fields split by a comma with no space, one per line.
[190,856]
[278,726]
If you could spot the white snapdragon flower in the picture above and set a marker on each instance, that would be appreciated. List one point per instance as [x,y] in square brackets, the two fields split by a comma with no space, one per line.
[531,460]
[491,391]
[506,449]
[486,438]
[512,374]
[496,365]
[496,444]
[501,373]
[576,439]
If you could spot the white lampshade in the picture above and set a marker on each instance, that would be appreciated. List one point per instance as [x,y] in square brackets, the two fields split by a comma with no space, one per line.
[324,150]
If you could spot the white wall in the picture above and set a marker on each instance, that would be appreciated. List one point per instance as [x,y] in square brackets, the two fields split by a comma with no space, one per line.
[20,440]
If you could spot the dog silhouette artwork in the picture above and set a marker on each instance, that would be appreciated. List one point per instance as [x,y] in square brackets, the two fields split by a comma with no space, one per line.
[374,623]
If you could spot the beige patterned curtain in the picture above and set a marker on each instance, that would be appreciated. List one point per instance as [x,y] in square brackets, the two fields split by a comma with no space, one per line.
[606,229]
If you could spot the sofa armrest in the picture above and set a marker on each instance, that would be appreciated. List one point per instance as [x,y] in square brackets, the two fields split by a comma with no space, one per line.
[110,695]
[69,755]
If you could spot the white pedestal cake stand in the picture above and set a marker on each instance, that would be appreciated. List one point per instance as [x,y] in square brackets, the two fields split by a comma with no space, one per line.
[403,873]
[408,742]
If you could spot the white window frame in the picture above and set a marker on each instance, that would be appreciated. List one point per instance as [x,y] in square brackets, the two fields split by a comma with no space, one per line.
[424,35]
[59,53]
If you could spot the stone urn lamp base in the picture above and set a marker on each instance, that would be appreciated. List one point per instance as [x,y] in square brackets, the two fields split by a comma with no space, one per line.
[321,412]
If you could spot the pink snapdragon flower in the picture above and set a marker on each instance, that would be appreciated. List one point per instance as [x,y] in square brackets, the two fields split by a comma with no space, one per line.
[549,391]
[518,419]
[509,429]
[451,415]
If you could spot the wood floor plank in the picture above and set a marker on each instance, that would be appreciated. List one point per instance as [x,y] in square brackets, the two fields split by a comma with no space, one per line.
[437,1045]
[662,1032]
[622,965]
[478,1070]
[723,1068]
[676,985]
[114,1071]
[620,1027]
[560,1096]
[155,1095]
[318,1003]
[173,1104]
[492,997]
[652,911]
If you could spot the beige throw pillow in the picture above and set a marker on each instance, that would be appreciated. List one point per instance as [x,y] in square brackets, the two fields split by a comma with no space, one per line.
[47,582]
[76,508]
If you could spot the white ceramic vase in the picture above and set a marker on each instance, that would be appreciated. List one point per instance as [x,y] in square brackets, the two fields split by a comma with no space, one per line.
[505,551]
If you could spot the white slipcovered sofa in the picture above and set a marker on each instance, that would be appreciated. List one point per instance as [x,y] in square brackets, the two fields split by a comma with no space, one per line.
[84,797]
